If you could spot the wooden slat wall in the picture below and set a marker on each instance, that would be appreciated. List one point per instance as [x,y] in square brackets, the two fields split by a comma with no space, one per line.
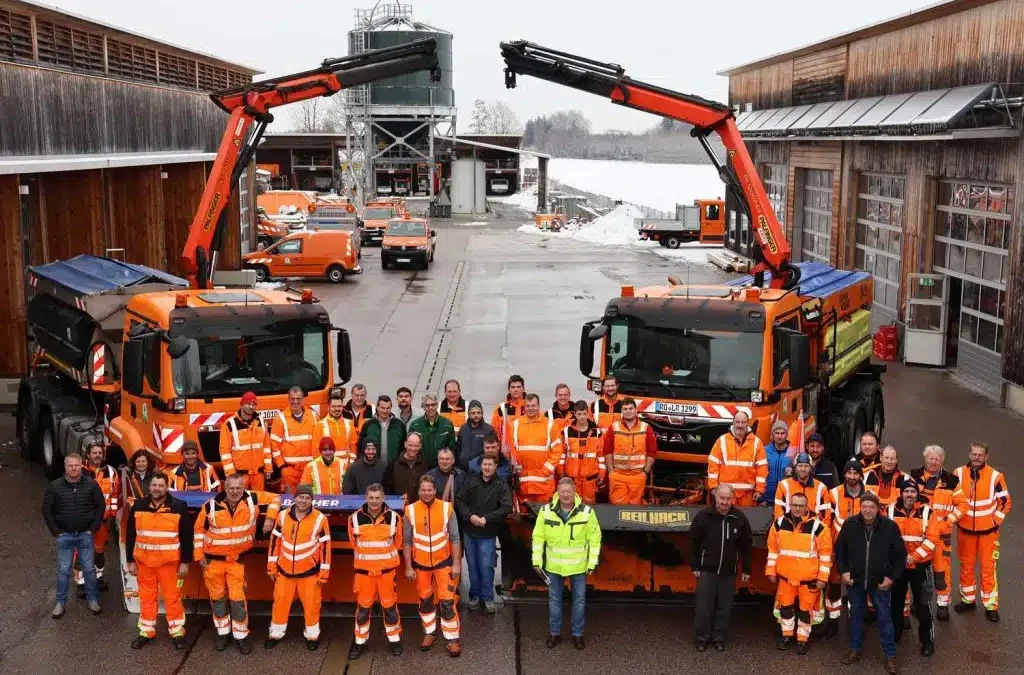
[981,44]
[182,190]
[1013,337]
[768,87]
[135,211]
[71,213]
[770,153]
[14,356]
[815,156]
[820,77]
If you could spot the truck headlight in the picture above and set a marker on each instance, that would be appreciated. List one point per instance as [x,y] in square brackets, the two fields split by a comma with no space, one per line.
[757,396]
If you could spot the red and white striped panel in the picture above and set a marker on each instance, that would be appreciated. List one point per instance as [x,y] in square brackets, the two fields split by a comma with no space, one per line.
[207,421]
[98,363]
[168,440]
[258,260]
[263,228]
[33,281]
[719,411]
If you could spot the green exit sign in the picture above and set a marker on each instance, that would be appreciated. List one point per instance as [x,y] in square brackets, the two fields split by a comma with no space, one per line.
[926,282]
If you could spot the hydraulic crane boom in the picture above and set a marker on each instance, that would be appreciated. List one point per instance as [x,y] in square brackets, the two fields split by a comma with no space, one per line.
[249,110]
[739,173]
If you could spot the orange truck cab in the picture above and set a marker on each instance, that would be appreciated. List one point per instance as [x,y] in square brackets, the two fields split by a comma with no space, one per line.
[376,216]
[703,222]
[312,253]
[408,241]
[281,202]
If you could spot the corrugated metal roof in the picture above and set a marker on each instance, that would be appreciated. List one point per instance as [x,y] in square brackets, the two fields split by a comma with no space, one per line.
[93,275]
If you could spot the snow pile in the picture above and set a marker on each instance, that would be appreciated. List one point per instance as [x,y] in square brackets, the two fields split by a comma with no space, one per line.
[475,223]
[660,186]
[615,228]
[524,199]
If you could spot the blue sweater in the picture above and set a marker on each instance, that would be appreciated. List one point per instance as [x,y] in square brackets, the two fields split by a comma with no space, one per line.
[779,466]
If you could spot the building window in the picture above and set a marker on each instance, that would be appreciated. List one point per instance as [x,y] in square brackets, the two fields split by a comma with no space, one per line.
[880,235]
[774,177]
[816,216]
[972,243]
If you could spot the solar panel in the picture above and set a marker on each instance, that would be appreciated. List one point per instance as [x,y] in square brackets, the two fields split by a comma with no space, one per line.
[914,106]
[953,105]
[793,116]
[878,113]
[830,115]
[813,114]
[747,118]
[773,123]
[854,112]
[767,121]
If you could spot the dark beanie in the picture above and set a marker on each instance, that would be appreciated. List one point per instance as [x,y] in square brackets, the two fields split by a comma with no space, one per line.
[474,404]
[853,464]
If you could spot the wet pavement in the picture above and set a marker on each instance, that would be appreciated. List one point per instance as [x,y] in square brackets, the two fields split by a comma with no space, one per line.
[497,301]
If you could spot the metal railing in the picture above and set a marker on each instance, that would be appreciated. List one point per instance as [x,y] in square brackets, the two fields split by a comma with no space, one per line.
[607,203]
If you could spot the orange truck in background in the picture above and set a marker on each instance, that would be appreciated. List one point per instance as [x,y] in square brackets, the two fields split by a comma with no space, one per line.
[325,254]
[282,202]
[376,216]
[702,222]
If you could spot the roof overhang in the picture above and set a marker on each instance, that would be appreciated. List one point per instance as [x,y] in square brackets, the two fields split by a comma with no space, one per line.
[458,140]
[51,163]
[938,112]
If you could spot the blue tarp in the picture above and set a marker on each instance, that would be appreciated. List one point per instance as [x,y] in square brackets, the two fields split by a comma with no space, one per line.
[817,280]
[91,275]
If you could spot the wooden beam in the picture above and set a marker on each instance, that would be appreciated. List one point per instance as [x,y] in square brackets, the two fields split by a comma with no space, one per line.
[14,355]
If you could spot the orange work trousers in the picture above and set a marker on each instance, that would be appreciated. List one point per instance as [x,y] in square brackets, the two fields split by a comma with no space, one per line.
[984,549]
[436,590]
[255,481]
[310,596]
[626,487]
[796,603]
[291,474]
[370,587]
[154,582]
[225,581]
[586,488]
[941,567]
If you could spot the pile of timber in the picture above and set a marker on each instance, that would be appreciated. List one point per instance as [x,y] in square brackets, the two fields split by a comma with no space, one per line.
[729,261]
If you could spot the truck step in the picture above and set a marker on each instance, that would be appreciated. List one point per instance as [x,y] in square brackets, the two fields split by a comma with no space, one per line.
[729,261]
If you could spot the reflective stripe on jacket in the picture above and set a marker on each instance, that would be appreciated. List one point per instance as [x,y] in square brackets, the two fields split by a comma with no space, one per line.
[629,446]
[326,480]
[291,440]
[431,545]
[456,414]
[920,529]
[981,502]
[570,546]
[342,432]
[799,550]
[606,411]
[244,447]
[223,532]
[203,479]
[744,465]
[300,548]
[843,505]
[109,481]
[158,536]
[818,498]
[538,450]
[583,454]
[376,541]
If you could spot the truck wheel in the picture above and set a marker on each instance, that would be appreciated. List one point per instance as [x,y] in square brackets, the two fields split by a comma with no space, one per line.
[335,274]
[384,264]
[53,462]
[28,443]
[262,273]
[860,425]
[877,416]
[672,241]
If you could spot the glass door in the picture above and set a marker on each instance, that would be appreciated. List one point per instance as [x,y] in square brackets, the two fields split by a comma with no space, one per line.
[927,307]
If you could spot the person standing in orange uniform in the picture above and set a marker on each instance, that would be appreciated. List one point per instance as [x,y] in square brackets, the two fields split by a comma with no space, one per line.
[339,429]
[291,439]
[243,445]
[802,480]
[326,472]
[299,562]
[583,455]
[608,408]
[224,532]
[982,502]
[738,458]
[886,480]
[937,486]
[800,560]
[630,448]
[508,411]
[110,484]
[433,550]
[158,548]
[563,410]
[536,452]
[376,535]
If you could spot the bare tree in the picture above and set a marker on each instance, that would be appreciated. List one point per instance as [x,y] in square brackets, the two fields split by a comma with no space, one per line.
[317,115]
[503,120]
[481,120]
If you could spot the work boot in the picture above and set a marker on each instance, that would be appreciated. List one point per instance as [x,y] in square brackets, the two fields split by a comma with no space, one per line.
[58,610]
[801,648]
[396,648]
[312,645]
[992,615]
[553,641]
[179,642]
[270,643]
[94,607]
[962,607]
[490,607]
[832,628]
[850,657]
[784,643]
[222,642]
[428,641]
[719,646]
[101,584]
[891,666]
[80,592]
[454,649]
[356,651]
[942,613]
[928,649]
[244,646]
[702,646]
[578,642]
[140,641]
[474,604]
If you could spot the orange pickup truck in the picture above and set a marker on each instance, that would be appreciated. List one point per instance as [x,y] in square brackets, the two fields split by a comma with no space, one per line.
[312,253]
[408,241]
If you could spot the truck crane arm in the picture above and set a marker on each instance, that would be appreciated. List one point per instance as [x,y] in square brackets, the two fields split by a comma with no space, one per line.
[739,173]
[249,114]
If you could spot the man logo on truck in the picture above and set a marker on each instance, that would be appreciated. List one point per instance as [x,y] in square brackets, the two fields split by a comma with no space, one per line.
[766,234]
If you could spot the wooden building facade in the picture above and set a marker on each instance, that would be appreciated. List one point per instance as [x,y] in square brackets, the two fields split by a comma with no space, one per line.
[106,139]
[897,149]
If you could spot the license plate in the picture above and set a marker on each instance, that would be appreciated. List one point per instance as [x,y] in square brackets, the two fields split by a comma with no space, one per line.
[675,408]
[404,259]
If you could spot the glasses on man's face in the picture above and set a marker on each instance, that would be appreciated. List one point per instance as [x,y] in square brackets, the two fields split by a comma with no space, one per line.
[429,405]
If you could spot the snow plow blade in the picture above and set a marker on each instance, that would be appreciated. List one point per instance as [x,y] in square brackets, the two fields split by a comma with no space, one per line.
[645,554]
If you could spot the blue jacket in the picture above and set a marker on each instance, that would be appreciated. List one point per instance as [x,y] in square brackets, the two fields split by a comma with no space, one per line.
[504,470]
[779,466]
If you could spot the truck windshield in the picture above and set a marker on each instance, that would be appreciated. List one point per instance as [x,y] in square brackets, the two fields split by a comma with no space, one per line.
[265,359]
[677,359]
[378,214]
[406,228]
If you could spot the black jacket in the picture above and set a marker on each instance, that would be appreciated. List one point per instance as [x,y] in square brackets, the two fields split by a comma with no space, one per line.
[470,443]
[491,499]
[185,530]
[362,475]
[403,478]
[73,507]
[825,471]
[718,540]
[869,561]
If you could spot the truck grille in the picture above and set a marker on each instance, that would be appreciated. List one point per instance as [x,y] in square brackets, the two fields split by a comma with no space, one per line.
[694,436]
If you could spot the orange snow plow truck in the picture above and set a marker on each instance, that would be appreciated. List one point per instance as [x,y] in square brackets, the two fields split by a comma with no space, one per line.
[791,342]
[149,360]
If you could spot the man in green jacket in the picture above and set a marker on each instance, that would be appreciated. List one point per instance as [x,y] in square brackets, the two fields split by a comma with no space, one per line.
[385,430]
[437,431]
[566,545]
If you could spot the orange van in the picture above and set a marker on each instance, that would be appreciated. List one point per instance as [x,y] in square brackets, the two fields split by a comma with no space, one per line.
[312,253]
[408,241]
[376,216]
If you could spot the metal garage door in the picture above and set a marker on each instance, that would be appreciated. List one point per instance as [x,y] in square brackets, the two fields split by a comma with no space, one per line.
[880,241]
[816,216]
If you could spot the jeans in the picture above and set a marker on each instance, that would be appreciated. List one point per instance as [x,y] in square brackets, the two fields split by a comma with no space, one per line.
[882,600]
[715,594]
[481,558]
[67,544]
[578,585]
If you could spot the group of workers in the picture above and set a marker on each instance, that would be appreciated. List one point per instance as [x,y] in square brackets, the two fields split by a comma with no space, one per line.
[602,451]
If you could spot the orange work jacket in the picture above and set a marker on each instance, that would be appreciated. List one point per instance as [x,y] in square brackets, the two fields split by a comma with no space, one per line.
[504,416]
[376,541]
[744,465]
[456,414]
[583,454]
[291,440]
[605,411]
[300,548]
[843,506]
[629,447]
[889,488]
[326,480]
[244,447]
[342,432]
[223,533]
[110,484]
[203,480]
[799,550]
[818,498]
[982,501]
[920,529]
[431,545]
[563,418]
[538,450]
[159,536]
[938,491]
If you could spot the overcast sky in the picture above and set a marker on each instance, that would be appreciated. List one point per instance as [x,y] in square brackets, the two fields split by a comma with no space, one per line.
[679,44]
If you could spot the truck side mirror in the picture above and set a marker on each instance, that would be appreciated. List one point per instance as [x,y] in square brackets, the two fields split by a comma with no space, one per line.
[590,333]
[799,360]
[343,349]
[178,347]
[433,234]
[132,366]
